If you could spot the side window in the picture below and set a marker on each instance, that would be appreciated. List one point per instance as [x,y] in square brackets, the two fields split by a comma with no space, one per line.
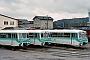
[24,35]
[14,35]
[60,35]
[8,35]
[31,34]
[66,34]
[28,35]
[5,35]
[54,34]
[44,35]
[20,35]
[2,35]
[74,35]
[35,34]
[41,35]
[5,22]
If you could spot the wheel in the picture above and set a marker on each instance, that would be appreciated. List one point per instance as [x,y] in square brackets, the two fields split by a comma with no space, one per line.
[46,43]
[42,44]
[80,44]
[13,48]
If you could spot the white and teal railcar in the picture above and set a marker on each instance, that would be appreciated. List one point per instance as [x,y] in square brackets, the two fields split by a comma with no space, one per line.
[39,37]
[14,37]
[69,37]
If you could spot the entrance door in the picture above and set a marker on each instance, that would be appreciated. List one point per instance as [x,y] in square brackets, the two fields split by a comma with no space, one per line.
[73,36]
[13,38]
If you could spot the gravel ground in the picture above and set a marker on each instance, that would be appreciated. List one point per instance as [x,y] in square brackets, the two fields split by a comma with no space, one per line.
[54,53]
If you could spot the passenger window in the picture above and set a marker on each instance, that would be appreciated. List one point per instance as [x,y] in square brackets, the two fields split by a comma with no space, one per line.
[20,35]
[74,35]
[54,34]
[66,34]
[44,35]
[14,35]
[24,35]
[27,35]
[31,35]
[41,35]
[60,35]
[35,34]
[5,35]
[2,35]
[8,35]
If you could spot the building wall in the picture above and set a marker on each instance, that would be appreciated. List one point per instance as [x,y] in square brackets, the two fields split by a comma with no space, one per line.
[50,24]
[37,23]
[2,19]
[46,24]
[43,24]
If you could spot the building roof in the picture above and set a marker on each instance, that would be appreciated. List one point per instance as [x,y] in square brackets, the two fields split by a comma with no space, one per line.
[7,16]
[31,22]
[24,21]
[43,17]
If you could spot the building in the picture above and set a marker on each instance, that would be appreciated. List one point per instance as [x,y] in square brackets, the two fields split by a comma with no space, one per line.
[25,23]
[6,21]
[43,22]
[68,23]
[88,23]
[40,22]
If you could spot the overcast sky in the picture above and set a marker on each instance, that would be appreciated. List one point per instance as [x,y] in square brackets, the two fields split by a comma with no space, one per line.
[57,9]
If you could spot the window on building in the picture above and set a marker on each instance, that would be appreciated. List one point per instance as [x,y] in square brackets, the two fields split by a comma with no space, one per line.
[11,23]
[5,22]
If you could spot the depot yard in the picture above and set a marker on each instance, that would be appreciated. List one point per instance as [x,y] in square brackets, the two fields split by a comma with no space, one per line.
[49,53]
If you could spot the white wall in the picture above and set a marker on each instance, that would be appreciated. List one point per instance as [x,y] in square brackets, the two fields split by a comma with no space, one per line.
[2,19]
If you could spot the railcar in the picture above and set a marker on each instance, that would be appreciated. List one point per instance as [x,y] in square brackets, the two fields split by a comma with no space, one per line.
[69,37]
[39,37]
[14,37]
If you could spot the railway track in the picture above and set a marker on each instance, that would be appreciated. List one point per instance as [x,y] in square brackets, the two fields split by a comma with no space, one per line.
[65,46]
[34,47]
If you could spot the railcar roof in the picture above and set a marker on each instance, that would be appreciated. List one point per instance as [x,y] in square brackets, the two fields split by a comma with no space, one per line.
[40,31]
[66,31]
[21,31]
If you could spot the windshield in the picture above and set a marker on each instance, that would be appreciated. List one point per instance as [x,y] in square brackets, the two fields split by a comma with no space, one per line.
[82,35]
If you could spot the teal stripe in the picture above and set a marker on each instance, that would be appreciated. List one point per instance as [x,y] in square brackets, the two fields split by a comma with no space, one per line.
[21,40]
[8,39]
[42,39]
[82,40]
